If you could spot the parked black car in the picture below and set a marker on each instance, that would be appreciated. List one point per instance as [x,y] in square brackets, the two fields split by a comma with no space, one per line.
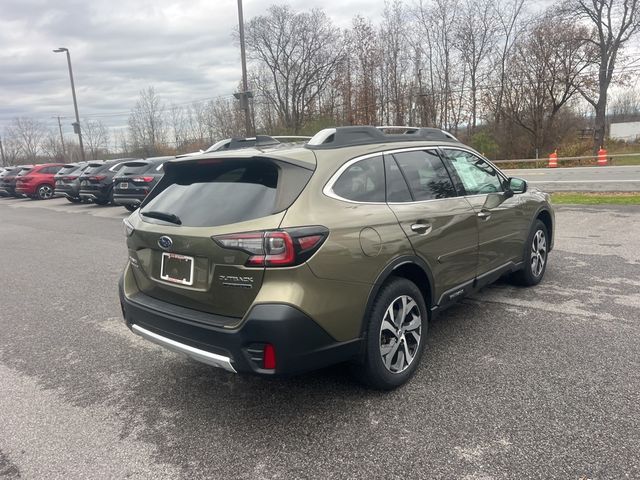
[68,181]
[8,183]
[135,180]
[96,182]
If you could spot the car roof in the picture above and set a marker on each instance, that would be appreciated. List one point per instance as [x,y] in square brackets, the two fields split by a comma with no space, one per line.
[350,142]
[295,155]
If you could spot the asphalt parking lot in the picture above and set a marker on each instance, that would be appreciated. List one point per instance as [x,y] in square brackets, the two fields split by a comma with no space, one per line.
[515,383]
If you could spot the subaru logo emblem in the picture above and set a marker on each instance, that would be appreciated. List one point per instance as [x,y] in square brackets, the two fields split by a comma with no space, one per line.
[165,242]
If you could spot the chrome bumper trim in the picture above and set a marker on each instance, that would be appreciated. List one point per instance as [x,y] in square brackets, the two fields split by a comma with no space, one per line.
[203,356]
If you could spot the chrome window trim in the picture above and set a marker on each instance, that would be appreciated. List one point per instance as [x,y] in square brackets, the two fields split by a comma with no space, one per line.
[328,188]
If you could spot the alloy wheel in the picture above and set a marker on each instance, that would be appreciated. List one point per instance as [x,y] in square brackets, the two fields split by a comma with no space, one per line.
[45,192]
[400,334]
[538,253]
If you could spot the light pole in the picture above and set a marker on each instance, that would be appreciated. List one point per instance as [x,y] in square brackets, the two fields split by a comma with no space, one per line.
[64,152]
[245,95]
[76,126]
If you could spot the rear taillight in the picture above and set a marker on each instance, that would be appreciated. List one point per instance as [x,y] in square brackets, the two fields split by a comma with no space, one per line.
[276,248]
[68,179]
[97,178]
[142,179]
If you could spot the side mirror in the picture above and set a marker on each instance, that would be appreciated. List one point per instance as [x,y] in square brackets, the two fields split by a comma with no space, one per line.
[517,185]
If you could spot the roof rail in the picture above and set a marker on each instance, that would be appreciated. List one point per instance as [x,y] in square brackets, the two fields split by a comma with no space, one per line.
[362,135]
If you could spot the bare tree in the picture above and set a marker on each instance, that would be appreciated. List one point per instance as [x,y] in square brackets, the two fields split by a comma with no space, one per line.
[300,51]
[395,64]
[509,14]
[476,37]
[28,135]
[11,149]
[147,123]
[625,106]
[96,137]
[544,73]
[52,147]
[614,23]
[178,123]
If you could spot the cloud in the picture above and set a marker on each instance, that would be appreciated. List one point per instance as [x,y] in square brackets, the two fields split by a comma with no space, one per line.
[184,49]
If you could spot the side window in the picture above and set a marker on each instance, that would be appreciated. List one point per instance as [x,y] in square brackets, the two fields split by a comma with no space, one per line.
[362,182]
[426,175]
[477,176]
[397,188]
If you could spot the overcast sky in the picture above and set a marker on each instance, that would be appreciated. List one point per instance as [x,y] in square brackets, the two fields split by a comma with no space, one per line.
[184,49]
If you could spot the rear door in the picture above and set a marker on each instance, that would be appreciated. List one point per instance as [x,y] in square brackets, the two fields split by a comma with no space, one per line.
[180,262]
[440,224]
[500,228]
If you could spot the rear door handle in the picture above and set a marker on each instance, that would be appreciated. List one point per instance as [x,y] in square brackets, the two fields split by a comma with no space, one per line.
[421,227]
[484,215]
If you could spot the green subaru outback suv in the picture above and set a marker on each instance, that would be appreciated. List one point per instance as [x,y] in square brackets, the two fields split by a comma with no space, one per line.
[284,259]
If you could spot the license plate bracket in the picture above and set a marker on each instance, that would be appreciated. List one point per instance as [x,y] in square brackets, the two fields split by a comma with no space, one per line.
[176,268]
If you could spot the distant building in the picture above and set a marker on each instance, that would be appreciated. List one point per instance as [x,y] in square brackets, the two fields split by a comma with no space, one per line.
[627,131]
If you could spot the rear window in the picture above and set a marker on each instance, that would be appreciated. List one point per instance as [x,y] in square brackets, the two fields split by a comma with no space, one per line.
[67,169]
[117,167]
[134,168]
[24,171]
[94,168]
[230,192]
[362,182]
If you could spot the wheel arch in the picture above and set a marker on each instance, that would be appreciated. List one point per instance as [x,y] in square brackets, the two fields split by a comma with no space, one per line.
[544,215]
[410,267]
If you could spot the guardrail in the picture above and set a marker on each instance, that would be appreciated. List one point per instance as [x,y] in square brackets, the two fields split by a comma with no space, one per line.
[587,158]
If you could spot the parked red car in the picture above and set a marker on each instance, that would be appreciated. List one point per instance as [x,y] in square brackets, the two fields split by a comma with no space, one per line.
[38,183]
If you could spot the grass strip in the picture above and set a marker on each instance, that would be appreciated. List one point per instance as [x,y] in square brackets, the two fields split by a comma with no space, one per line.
[596,198]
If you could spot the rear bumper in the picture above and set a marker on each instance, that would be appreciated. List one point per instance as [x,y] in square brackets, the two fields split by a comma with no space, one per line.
[129,199]
[300,343]
[26,190]
[67,190]
[99,193]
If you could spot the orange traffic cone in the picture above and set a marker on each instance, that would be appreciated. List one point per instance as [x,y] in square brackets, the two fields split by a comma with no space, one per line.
[602,157]
[553,159]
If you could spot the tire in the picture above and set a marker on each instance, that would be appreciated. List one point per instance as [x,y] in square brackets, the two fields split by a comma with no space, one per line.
[131,208]
[101,201]
[384,334]
[73,200]
[535,257]
[43,192]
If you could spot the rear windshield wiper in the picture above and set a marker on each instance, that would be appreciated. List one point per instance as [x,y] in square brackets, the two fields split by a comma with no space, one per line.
[168,217]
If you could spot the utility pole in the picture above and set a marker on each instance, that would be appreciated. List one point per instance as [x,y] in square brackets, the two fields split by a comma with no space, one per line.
[4,161]
[64,152]
[76,125]
[245,95]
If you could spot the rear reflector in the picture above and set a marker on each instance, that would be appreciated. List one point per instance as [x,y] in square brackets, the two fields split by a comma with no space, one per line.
[269,362]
